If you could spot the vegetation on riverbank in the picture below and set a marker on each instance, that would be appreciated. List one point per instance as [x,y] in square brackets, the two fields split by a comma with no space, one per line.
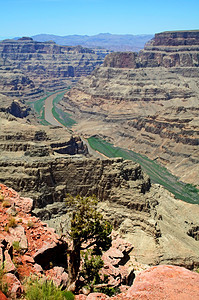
[38,107]
[156,172]
[61,116]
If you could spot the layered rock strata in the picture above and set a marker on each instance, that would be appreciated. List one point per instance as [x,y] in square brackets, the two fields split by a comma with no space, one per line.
[36,160]
[28,67]
[146,101]
[19,138]
[148,216]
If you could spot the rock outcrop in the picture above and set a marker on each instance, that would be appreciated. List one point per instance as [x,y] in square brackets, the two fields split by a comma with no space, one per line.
[28,67]
[161,282]
[44,255]
[21,137]
[22,240]
[146,101]
[44,252]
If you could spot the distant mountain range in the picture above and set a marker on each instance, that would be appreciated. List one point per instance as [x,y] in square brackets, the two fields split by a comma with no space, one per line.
[115,42]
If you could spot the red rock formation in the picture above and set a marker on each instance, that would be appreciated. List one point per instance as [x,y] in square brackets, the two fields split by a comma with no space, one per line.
[37,249]
[23,240]
[156,283]
[165,282]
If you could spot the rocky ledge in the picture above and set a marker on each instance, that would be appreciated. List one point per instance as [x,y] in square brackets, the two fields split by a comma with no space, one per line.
[157,283]
[28,246]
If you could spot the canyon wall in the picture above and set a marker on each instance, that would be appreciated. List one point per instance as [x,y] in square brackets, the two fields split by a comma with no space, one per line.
[163,230]
[28,67]
[146,102]
[46,162]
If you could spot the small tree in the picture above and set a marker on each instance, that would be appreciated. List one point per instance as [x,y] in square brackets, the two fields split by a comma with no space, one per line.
[88,229]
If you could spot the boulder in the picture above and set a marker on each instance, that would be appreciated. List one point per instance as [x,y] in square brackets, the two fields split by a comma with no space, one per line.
[8,264]
[38,268]
[24,204]
[163,281]
[18,234]
[58,275]
[28,259]
[115,262]
[15,288]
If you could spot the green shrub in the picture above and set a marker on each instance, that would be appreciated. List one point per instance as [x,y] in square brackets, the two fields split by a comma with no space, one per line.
[16,246]
[91,267]
[3,286]
[6,203]
[30,224]
[6,228]
[12,223]
[1,197]
[38,290]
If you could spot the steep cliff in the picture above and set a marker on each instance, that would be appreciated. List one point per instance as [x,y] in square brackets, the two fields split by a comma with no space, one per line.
[45,163]
[161,228]
[146,101]
[28,66]
[19,138]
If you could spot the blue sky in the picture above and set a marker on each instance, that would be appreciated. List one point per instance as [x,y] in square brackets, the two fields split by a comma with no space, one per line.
[65,17]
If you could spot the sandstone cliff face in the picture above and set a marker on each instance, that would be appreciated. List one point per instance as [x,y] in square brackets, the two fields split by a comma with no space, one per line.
[147,102]
[161,228]
[19,138]
[32,66]
[36,160]
[167,49]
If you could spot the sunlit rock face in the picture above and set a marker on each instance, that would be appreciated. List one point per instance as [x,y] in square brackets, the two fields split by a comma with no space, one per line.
[146,101]
[27,67]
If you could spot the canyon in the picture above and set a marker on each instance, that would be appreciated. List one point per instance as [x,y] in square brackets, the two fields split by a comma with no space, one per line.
[29,68]
[47,162]
[146,102]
